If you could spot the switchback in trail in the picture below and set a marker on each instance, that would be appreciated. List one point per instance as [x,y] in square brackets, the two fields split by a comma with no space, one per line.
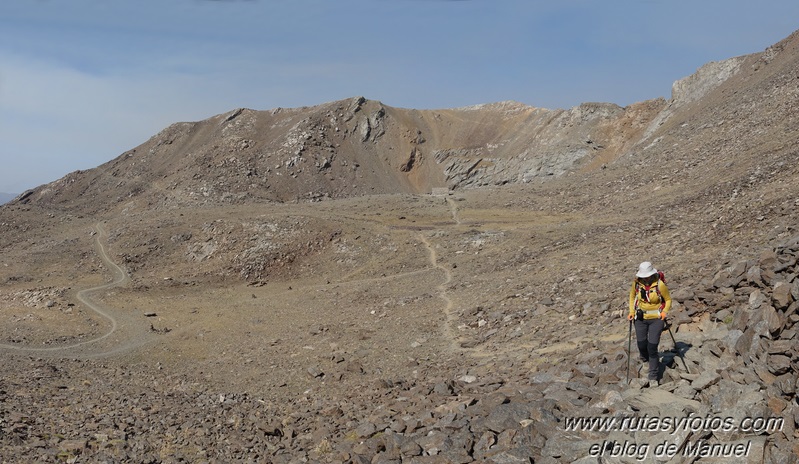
[125,331]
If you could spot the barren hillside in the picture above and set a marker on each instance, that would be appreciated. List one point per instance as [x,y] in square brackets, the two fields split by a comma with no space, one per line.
[353,282]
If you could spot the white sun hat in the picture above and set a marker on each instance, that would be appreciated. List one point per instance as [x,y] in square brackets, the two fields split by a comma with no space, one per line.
[646,269]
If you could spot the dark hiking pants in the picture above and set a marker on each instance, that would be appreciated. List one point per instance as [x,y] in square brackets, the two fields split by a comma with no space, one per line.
[647,336]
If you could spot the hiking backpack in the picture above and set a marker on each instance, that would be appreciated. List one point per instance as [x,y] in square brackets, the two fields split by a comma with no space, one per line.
[642,290]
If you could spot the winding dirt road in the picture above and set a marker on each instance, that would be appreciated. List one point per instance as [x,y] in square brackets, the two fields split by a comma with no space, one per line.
[125,332]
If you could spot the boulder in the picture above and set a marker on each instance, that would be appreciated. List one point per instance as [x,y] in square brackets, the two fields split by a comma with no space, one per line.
[757,299]
[506,416]
[754,276]
[365,430]
[779,364]
[772,319]
[705,379]
[743,344]
[781,295]
[659,402]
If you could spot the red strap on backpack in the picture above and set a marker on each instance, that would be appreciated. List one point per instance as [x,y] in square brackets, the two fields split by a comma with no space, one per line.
[646,288]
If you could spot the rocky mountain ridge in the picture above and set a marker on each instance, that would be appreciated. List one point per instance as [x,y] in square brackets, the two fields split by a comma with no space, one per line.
[349,148]
[356,146]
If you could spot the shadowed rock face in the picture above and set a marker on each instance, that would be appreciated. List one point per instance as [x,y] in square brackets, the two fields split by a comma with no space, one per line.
[279,286]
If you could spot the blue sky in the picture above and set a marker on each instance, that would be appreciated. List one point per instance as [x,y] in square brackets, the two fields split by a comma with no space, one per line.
[82,81]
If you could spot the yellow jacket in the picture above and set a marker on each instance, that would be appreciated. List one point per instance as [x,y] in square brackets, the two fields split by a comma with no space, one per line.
[657,299]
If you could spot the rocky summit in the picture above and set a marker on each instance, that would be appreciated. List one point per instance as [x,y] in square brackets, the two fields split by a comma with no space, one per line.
[357,283]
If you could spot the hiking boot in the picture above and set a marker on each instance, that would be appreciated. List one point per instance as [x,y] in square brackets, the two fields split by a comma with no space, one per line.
[653,383]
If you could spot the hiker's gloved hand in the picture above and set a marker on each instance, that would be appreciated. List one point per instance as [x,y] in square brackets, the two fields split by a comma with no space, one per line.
[630,317]
[663,316]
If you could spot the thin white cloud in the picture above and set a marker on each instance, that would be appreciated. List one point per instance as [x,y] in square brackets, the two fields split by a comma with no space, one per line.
[55,119]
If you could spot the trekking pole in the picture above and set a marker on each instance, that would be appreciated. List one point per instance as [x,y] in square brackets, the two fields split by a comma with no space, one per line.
[679,351]
[629,342]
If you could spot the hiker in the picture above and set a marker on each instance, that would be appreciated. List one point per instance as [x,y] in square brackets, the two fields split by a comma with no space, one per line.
[649,303]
